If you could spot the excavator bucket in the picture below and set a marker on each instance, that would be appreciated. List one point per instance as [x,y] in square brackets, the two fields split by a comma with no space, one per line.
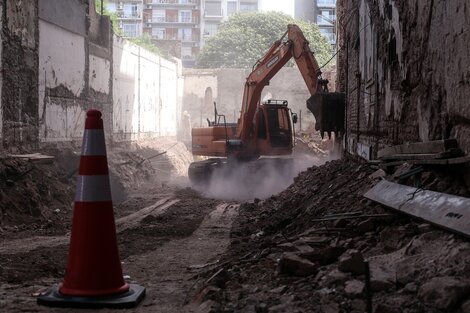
[328,109]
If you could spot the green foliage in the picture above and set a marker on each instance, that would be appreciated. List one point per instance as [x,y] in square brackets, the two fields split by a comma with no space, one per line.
[145,41]
[112,15]
[246,37]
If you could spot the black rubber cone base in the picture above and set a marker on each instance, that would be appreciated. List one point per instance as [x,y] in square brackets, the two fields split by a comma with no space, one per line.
[128,299]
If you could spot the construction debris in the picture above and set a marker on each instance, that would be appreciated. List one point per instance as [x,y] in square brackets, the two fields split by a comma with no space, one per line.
[34,157]
[447,211]
[328,272]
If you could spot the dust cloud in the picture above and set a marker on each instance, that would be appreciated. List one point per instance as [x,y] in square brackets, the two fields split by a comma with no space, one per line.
[259,179]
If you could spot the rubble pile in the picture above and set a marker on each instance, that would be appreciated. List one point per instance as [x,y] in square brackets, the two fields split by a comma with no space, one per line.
[320,246]
[34,196]
[37,194]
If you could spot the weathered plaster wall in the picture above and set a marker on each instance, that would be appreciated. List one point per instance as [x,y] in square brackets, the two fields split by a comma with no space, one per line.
[146,91]
[61,83]
[19,59]
[225,86]
[74,71]
[404,67]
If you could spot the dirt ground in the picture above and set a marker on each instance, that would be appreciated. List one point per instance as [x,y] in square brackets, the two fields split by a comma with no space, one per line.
[301,250]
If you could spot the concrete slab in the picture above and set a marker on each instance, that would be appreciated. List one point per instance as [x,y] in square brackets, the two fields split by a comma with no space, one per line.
[444,210]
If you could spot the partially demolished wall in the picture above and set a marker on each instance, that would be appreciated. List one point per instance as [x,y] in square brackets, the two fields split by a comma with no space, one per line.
[404,68]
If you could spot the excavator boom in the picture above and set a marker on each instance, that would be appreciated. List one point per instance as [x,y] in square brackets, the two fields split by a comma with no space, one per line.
[278,55]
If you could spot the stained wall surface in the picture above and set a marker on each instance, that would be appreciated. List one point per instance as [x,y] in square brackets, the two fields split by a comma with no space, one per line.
[404,68]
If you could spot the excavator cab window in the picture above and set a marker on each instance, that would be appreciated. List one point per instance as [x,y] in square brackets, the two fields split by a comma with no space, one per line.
[279,127]
[262,133]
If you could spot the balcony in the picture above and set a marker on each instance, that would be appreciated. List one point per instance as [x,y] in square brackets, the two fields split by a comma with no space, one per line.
[326,3]
[326,20]
[133,16]
[181,20]
[213,14]
[172,3]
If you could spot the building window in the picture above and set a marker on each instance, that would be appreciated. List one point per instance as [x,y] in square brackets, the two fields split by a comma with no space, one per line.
[244,7]
[131,10]
[186,53]
[231,7]
[158,33]
[213,9]
[185,34]
[158,15]
[131,30]
[210,29]
[185,16]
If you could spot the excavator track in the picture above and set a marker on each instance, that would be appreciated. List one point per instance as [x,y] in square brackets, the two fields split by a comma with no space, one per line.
[203,172]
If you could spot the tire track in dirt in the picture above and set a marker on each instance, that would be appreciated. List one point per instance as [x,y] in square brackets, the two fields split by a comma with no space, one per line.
[129,221]
[165,272]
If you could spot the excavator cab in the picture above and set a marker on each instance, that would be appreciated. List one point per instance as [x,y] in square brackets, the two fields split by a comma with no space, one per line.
[274,128]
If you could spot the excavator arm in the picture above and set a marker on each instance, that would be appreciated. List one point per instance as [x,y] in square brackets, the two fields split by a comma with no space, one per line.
[278,55]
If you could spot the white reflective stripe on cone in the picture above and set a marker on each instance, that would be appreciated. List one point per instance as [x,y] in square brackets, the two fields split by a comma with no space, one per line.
[93,142]
[93,188]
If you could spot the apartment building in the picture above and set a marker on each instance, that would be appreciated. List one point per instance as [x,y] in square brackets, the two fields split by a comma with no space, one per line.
[320,12]
[129,15]
[180,26]
[175,23]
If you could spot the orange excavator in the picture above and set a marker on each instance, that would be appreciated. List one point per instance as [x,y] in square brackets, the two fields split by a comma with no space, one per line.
[265,129]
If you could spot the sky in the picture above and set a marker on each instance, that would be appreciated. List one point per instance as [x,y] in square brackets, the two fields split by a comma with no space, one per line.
[286,6]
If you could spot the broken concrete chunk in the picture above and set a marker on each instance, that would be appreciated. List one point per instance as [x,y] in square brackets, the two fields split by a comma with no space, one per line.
[354,288]
[406,270]
[292,264]
[329,308]
[411,288]
[377,174]
[323,256]
[335,278]
[351,261]
[380,284]
[444,292]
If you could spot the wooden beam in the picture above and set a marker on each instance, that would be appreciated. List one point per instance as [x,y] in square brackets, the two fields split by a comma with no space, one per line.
[443,210]
[437,146]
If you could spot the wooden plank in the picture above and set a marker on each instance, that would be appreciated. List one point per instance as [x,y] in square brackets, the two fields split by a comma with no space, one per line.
[444,210]
[436,146]
[453,161]
[425,156]
[34,157]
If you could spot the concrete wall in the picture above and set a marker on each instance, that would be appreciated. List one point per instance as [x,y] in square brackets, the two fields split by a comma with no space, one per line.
[226,86]
[404,68]
[74,71]
[146,93]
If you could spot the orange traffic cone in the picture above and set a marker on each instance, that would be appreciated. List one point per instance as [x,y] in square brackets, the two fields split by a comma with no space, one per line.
[94,275]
